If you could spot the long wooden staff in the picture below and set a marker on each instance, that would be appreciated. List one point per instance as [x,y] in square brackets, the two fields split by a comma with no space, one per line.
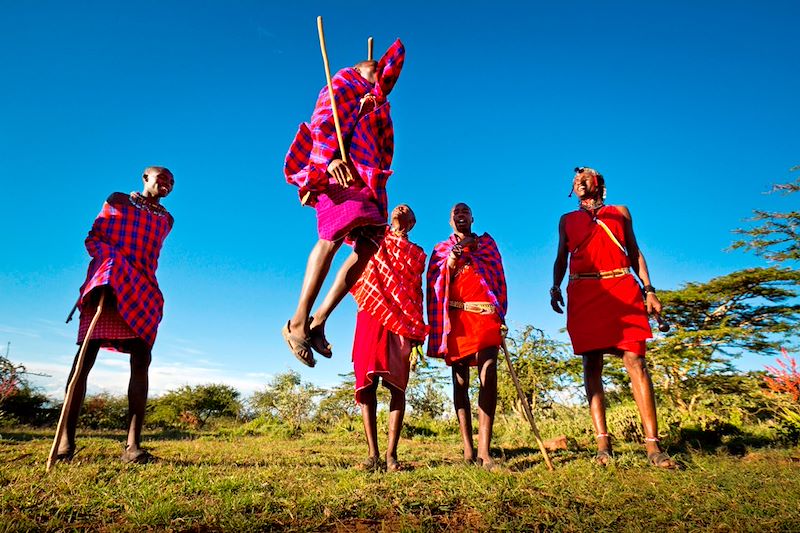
[526,408]
[69,397]
[330,89]
[369,49]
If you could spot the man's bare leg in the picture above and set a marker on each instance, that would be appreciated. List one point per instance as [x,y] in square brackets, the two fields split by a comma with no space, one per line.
[642,388]
[346,277]
[137,396]
[369,409]
[463,409]
[397,410]
[66,445]
[595,395]
[487,403]
[319,263]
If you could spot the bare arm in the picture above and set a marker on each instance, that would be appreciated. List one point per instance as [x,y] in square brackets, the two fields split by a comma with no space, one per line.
[638,262]
[559,268]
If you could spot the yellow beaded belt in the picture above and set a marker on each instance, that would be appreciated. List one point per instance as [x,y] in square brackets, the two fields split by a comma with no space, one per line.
[603,274]
[483,308]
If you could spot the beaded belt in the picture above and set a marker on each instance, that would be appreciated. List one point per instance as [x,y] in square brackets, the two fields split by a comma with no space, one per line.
[603,274]
[483,308]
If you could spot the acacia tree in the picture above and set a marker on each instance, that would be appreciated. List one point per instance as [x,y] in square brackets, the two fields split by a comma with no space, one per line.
[716,322]
[546,369]
[425,393]
[194,406]
[776,236]
[287,399]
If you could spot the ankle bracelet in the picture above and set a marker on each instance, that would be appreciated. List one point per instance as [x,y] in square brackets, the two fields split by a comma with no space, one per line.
[601,435]
[652,439]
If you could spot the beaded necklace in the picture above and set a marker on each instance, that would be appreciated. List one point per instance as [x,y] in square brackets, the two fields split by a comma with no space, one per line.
[592,205]
[142,203]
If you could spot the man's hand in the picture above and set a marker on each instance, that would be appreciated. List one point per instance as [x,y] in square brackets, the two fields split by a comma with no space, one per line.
[653,303]
[341,172]
[556,298]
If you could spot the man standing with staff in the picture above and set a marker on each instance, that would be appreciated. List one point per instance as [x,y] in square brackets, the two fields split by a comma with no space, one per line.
[467,304]
[605,313]
[120,303]
[346,185]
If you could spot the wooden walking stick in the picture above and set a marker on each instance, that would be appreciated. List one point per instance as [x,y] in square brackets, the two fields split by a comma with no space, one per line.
[526,407]
[369,49]
[338,126]
[69,396]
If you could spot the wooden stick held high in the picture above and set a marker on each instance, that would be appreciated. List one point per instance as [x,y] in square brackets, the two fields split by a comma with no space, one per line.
[369,49]
[338,126]
[69,397]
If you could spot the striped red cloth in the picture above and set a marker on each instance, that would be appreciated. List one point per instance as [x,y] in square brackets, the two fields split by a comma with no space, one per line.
[368,137]
[390,288]
[125,242]
[485,259]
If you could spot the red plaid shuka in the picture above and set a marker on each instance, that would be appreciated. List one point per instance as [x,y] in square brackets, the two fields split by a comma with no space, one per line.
[368,134]
[486,260]
[125,242]
[390,288]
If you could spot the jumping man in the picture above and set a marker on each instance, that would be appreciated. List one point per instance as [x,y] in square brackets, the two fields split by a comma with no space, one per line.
[349,198]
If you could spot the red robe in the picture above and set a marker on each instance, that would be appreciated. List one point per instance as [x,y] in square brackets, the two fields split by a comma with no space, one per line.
[389,298]
[602,313]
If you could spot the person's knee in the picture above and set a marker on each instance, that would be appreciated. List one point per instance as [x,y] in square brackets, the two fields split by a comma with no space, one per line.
[326,247]
[364,247]
[634,363]
[140,360]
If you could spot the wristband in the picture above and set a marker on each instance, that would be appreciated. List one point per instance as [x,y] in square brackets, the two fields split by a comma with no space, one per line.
[649,288]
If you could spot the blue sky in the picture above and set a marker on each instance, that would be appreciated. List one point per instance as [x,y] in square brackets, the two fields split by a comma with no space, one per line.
[688,108]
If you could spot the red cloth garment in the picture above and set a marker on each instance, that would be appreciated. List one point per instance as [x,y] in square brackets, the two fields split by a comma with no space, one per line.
[470,332]
[110,326]
[390,288]
[602,313]
[484,258]
[368,134]
[125,243]
[379,352]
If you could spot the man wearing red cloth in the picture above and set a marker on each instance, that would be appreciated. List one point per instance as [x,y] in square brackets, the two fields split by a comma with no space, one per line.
[467,304]
[349,198]
[389,324]
[124,243]
[605,313]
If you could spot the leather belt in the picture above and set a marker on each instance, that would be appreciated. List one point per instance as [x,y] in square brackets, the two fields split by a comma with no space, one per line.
[603,274]
[483,308]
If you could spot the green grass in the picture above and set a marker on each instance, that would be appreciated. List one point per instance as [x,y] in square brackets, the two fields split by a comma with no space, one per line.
[252,483]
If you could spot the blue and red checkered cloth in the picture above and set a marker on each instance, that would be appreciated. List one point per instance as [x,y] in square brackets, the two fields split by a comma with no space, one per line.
[125,242]
[368,136]
[486,260]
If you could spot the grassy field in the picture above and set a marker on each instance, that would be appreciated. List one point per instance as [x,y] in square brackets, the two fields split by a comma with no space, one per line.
[252,483]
